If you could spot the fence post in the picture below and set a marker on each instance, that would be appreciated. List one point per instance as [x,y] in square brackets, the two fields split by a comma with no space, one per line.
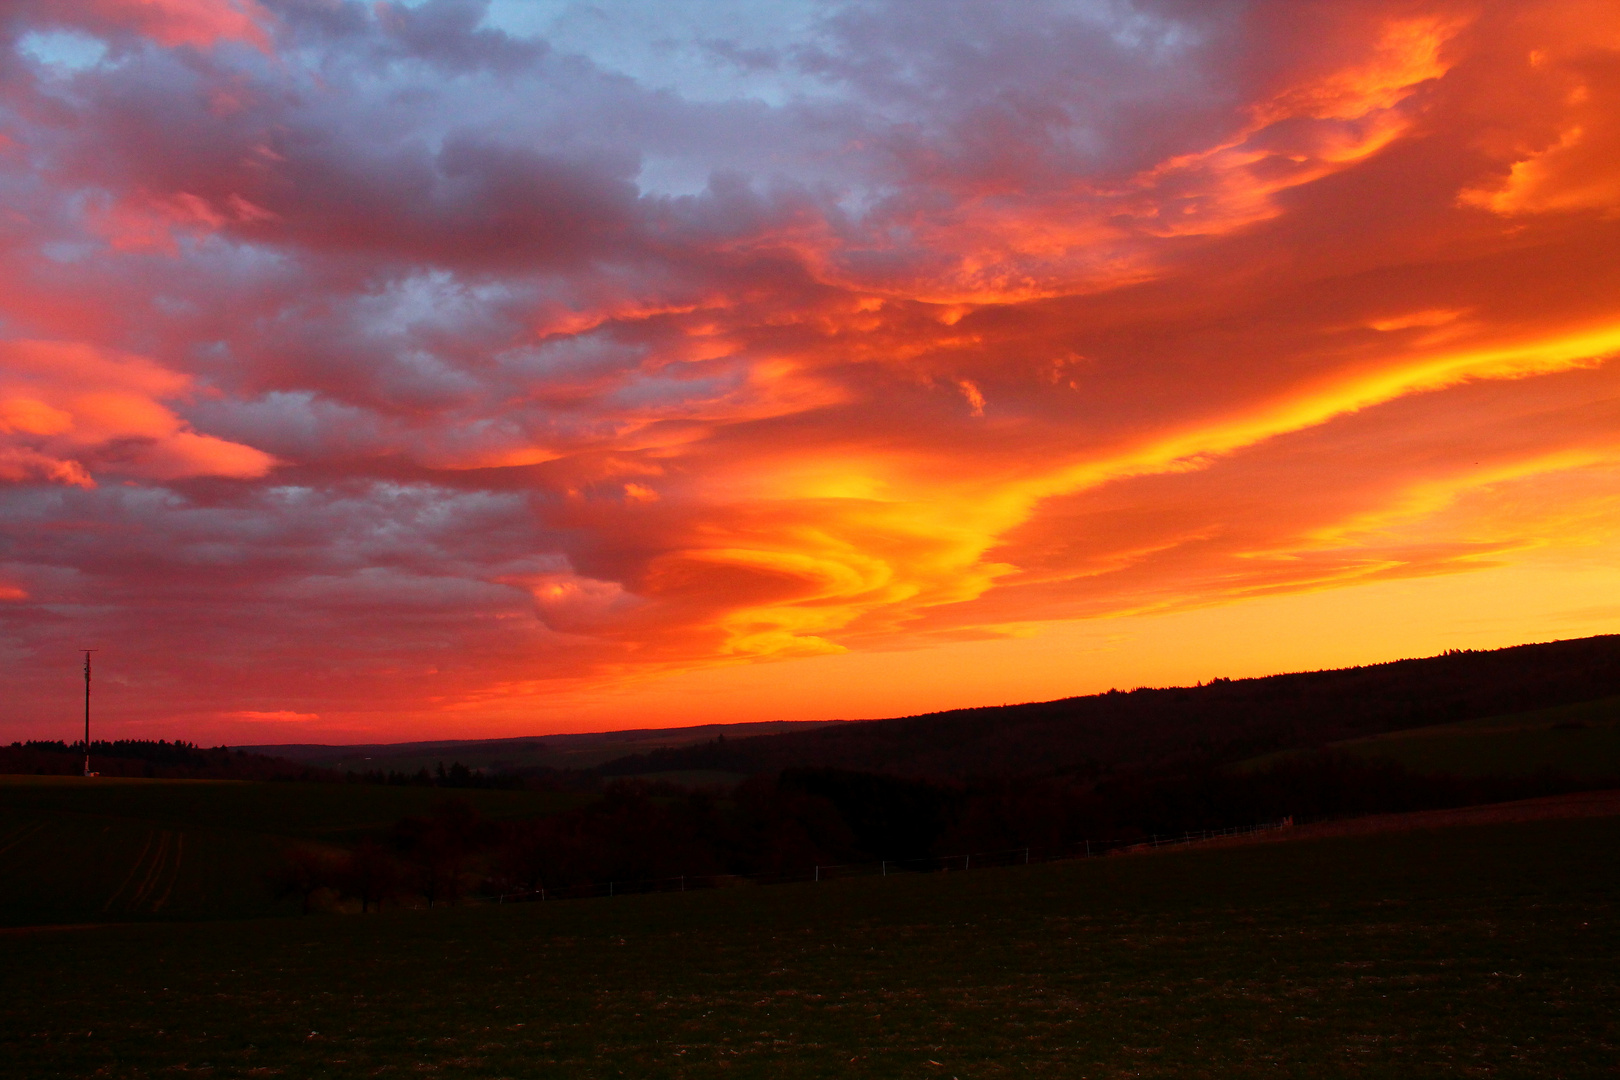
[1026,856]
[967,862]
[818,873]
[683,883]
[610,888]
[885,867]
[1088,849]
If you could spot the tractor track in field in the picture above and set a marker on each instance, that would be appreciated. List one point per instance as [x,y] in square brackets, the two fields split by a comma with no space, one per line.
[153,873]
[19,835]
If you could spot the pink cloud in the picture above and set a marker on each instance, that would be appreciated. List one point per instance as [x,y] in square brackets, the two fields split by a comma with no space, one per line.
[200,23]
[68,410]
[424,370]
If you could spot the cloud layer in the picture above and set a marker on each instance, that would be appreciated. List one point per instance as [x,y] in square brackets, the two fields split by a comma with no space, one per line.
[401,368]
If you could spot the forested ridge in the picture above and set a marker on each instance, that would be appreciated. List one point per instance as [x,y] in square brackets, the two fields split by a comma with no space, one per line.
[1220,721]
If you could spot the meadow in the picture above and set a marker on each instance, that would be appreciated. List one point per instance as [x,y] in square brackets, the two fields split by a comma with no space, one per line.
[1581,740]
[1485,950]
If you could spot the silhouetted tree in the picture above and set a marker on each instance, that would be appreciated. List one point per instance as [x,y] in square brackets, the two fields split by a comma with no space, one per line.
[438,848]
[371,875]
[304,872]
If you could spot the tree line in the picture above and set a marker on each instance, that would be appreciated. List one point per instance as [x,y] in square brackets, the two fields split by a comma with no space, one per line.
[799,818]
[179,759]
[154,758]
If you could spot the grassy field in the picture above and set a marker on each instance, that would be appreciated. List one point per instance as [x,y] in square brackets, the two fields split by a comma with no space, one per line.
[1582,740]
[76,850]
[81,868]
[1482,951]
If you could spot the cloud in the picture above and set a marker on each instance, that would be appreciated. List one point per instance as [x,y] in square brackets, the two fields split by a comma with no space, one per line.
[387,363]
[281,717]
[169,23]
[68,409]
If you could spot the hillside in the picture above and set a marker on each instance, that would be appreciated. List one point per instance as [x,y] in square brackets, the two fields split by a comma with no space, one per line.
[566,751]
[1581,740]
[1443,732]
[1223,721]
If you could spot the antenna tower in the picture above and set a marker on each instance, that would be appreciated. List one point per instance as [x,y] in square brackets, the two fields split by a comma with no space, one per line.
[87,653]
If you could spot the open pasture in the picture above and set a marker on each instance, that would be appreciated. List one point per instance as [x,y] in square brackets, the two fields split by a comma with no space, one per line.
[1479,951]
[1581,740]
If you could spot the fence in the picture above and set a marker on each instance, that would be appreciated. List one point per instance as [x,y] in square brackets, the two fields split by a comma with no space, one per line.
[1085,849]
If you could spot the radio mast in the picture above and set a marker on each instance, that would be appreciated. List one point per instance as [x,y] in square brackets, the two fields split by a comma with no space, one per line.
[87,653]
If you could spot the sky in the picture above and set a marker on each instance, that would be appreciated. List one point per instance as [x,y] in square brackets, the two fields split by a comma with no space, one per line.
[452,369]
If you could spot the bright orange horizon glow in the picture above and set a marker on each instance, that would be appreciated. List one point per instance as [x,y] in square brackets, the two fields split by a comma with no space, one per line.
[429,373]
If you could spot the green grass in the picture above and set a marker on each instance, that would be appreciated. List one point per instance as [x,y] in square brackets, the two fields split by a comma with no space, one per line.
[1582,740]
[1483,951]
[75,850]
[1600,711]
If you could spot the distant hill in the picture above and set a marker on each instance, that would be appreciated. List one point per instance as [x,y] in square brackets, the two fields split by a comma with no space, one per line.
[573,751]
[168,839]
[1220,722]
[1223,721]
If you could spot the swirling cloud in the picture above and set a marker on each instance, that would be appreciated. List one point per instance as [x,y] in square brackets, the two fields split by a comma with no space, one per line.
[414,367]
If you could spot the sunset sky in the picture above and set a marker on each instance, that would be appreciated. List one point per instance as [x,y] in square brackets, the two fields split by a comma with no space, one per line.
[379,371]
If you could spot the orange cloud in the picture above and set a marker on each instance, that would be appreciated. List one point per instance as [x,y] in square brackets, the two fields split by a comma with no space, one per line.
[1073,329]
[280,716]
[1094,235]
[68,410]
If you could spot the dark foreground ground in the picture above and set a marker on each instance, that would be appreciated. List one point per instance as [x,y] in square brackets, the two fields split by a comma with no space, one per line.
[1487,950]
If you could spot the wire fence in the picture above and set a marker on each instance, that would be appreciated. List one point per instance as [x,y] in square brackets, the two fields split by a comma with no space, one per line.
[932,864]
